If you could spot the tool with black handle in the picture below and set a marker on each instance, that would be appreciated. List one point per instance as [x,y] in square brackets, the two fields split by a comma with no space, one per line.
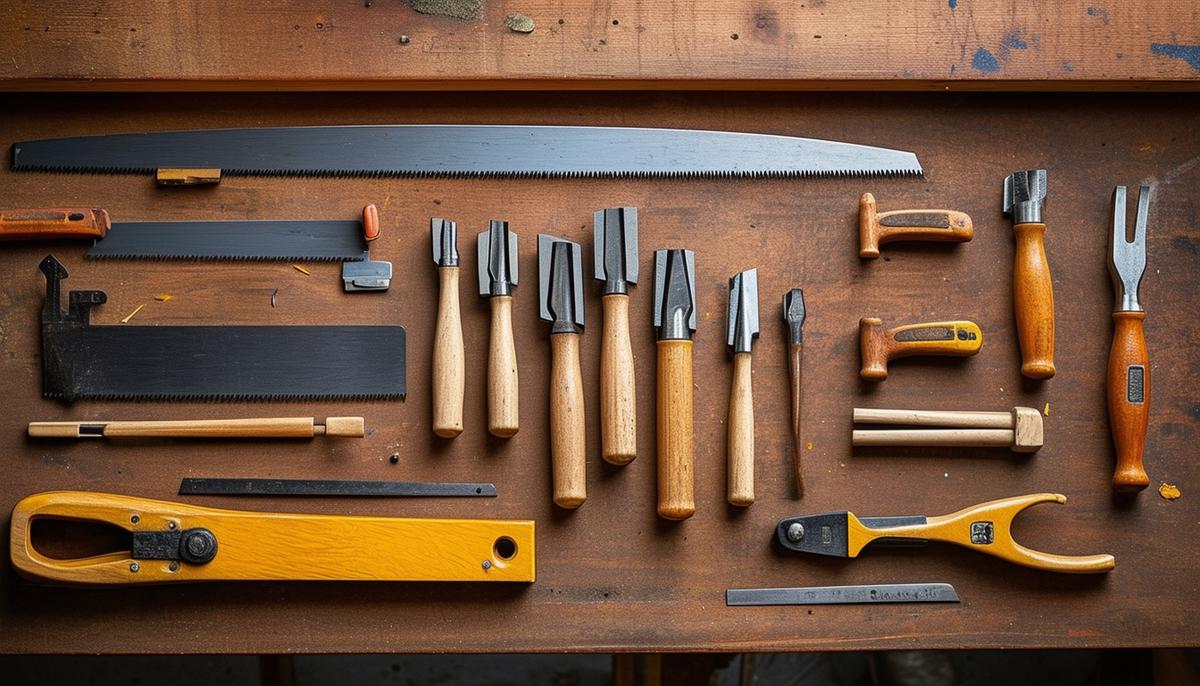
[876,228]
[449,364]
[793,316]
[560,302]
[741,330]
[497,252]
[675,323]
[1128,360]
[1033,292]
[615,248]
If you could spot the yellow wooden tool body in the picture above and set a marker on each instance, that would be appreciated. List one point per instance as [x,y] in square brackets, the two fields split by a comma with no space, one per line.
[275,546]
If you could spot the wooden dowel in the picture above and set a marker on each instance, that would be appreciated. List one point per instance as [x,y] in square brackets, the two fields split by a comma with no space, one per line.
[275,427]
[964,420]
[956,438]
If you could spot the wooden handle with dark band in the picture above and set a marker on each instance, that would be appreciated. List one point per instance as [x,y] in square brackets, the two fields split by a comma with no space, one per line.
[618,400]
[502,384]
[1129,399]
[877,346]
[32,225]
[567,447]
[741,434]
[876,228]
[676,452]
[449,366]
[1033,301]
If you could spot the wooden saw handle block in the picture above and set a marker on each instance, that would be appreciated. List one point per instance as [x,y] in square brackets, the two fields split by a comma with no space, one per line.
[275,427]
[986,528]
[1129,399]
[568,451]
[260,546]
[503,386]
[741,434]
[618,399]
[876,228]
[449,364]
[676,451]
[878,346]
[32,225]
[1033,302]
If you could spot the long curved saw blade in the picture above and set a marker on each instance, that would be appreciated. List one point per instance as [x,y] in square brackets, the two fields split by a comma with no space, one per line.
[465,151]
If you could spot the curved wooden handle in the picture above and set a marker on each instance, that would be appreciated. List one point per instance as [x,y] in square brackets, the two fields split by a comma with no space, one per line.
[618,400]
[741,433]
[1129,399]
[567,447]
[1033,300]
[449,367]
[32,225]
[676,498]
[502,371]
[876,228]
[953,339]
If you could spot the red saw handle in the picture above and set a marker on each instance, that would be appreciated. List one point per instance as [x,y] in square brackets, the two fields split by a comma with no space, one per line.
[32,225]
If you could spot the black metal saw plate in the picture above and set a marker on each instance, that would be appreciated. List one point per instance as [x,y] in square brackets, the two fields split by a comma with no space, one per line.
[234,240]
[334,488]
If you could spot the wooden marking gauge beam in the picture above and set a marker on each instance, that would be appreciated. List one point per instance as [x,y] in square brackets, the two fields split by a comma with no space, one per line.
[1020,429]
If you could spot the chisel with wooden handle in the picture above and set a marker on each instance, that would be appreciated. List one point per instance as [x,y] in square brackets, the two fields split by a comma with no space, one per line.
[1033,292]
[274,427]
[878,345]
[740,332]
[675,324]
[876,228]
[497,252]
[449,364]
[1128,360]
[616,264]
[793,315]
[560,302]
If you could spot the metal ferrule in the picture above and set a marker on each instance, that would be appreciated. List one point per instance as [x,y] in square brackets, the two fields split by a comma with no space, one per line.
[444,235]
[674,294]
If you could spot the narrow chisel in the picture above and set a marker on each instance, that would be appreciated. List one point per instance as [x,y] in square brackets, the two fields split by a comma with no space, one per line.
[675,324]
[615,248]
[868,594]
[741,330]
[497,253]
[449,365]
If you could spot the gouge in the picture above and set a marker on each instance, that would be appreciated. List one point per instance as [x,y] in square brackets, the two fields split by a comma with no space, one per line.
[793,315]
[1033,293]
[675,323]
[741,330]
[1019,429]
[274,427]
[175,542]
[986,528]
[876,228]
[879,346]
[560,302]
[616,264]
[449,366]
[1128,361]
[497,252]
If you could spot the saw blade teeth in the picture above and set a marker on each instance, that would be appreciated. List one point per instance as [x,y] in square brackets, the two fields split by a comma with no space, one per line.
[516,174]
[227,397]
[142,257]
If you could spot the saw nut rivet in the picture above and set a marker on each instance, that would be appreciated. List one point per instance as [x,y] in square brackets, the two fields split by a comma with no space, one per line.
[171,525]
[487,564]
[795,532]
[198,546]
[135,519]
[134,567]
[174,566]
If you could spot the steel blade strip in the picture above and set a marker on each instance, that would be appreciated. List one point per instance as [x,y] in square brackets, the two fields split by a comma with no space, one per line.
[844,595]
[334,488]
[235,240]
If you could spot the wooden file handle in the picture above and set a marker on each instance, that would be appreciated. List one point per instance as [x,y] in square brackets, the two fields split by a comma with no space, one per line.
[1033,300]
[741,433]
[618,400]
[676,499]
[274,427]
[876,228]
[449,366]
[502,371]
[986,528]
[877,346]
[31,225]
[1129,399]
[567,447]
[795,371]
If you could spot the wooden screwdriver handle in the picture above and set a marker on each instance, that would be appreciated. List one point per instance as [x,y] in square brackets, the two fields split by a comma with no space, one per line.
[795,372]
[676,451]
[1129,399]
[876,228]
[449,366]
[1033,301]
[31,225]
[567,447]
[741,434]
[618,400]
[877,346]
[502,371]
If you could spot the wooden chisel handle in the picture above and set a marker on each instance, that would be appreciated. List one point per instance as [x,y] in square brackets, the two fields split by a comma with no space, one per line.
[502,371]
[449,366]
[676,499]
[1129,399]
[31,225]
[876,228]
[795,369]
[567,447]
[1033,300]
[741,434]
[275,427]
[618,403]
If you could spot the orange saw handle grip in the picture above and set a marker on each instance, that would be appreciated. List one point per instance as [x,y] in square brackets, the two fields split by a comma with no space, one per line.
[32,225]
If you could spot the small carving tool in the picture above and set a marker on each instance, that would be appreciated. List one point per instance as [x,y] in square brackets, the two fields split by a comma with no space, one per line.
[449,365]
[870,594]
[1033,292]
[1020,429]
[497,252]
[176,542]
[793,315]
[615,248]
[274,427]
[741,330]
[675,323]
[325,488]
[876,228]
[560,302]
[1128,360]
[879,346]
[986,528]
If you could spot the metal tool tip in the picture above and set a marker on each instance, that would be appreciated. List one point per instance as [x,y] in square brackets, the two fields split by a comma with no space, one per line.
[444,236]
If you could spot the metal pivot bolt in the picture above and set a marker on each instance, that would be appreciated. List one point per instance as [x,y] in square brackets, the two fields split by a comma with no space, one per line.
[198,546]
[795,532]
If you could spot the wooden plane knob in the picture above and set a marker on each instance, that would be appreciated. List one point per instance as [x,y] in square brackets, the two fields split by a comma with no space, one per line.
[876,228]
[878,346]
[32,225]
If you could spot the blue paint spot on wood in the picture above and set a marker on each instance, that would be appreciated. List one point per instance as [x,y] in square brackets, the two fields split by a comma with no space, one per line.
[1187,53]
[953,4]
[1013,40]
[1098,12]
[1066,66]
[985,61]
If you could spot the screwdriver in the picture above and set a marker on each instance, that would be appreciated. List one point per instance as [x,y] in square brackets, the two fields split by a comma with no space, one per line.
[1128,361]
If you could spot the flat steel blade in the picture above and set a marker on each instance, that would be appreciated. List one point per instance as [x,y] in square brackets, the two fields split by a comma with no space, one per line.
[465,151]
[334,488]
[844,595]
[317,241]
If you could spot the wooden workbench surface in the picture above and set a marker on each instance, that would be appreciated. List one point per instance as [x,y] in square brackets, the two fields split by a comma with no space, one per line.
[612,576]
[357,44]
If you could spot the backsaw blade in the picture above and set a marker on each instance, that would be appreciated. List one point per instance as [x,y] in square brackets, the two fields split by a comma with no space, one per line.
[465,151]
[340,241]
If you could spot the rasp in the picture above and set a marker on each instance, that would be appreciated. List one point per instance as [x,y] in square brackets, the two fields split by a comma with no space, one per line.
[463,150]
[870,594]
[80,360]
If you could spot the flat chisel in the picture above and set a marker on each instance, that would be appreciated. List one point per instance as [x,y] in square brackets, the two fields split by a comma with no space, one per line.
[1128,360]
[615,248]
[449,365]
[675,323]
[560,302]
[1033,292]
[793,316]
[497,252]
[741,330]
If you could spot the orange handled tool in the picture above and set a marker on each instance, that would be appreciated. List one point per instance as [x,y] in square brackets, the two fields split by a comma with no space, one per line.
[876,228]
[1033,292]
[878,346]
[30,225]
[1128,362]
